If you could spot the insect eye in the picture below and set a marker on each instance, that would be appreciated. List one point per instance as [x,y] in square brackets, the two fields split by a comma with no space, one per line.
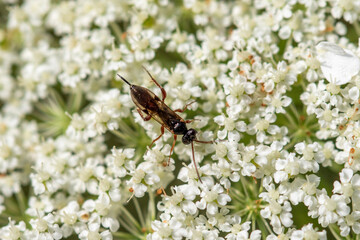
[189,136]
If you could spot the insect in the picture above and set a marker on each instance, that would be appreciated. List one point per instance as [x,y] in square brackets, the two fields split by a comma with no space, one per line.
[151,106]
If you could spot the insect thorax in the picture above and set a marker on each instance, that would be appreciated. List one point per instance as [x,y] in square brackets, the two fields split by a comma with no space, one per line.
[178,127]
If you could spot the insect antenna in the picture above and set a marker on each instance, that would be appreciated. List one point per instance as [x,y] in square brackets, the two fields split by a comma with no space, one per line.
[203,141]
[193,154]
[124,79]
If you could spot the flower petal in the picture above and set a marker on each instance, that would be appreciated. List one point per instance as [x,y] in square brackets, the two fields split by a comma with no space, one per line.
[337,64]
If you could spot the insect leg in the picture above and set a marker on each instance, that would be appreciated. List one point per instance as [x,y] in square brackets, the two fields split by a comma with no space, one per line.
[182,110]
[146,118]
[172,148]
[190,120]
[193,155]
[157,84]
[203,141]
[162,133]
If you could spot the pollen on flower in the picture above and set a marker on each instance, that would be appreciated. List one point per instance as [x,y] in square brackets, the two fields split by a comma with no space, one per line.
[330,204]
[41,225]
[333,89]
[69,218]
[138,176]
[262,125]
[104,185]
[328,115]
[221,150]
[85,174]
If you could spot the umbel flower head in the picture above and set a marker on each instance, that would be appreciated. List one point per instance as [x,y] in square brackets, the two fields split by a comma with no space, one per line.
[274,85]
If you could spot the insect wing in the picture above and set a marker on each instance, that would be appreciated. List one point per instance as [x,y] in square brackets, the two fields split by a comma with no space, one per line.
[144,99]
[165,116]
[152,105]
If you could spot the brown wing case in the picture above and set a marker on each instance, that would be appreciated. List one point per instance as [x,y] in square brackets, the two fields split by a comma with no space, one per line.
[152,105]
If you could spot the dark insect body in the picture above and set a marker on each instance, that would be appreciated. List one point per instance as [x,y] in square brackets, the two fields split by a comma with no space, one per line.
[151,106]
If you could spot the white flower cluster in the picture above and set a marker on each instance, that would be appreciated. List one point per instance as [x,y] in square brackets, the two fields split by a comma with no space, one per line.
[275,83]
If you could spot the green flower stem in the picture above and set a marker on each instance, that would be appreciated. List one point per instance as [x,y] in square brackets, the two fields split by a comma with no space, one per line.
[139,212]
[152,206]
[122,235]
[251,216]
[291,121]
[119,134]
[356,27]
[266,225]
[117,31]
[132,225]
[22,203]
[242,180]
[334,230]
[294,111]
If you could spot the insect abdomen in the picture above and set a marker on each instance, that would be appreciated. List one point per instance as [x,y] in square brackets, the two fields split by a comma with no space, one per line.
[144,98]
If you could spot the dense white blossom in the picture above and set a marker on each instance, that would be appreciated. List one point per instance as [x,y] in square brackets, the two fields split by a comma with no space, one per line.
[273,86]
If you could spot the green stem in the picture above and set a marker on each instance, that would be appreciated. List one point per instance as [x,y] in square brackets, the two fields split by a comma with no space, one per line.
[76,99]
[356,27]
[130,228]
[139,212]
[244,187]
[117,31]
[291,121]
[152,208]
[242,212]
[119,134]
[253,223]
[314,126]
[236,195]
[302,83]
[251,215]
[22,204]
[21,201]
[292,143]
[333,231]
[294,110]
[266,225]
[133,222]
[122,235]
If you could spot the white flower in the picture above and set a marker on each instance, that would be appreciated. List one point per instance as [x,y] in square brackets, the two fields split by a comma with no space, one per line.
[350,222]
[337,64]
[278,214]
[117,160]
[229,127]
[213,198]
[117,58]
[310,158]
[308,232]
[45,227]
[244,63]
[162,228]
[241,230]
[345,187]
[330,209]
[277,103]
[144,43]
[12,230]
